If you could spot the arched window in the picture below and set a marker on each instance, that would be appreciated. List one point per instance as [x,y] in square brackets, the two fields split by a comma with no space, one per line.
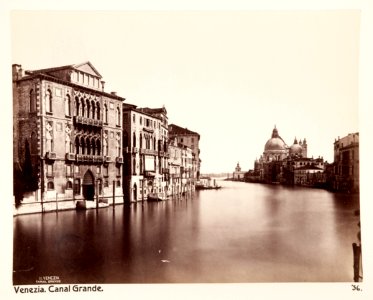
[77,106]
[134,166]
[77,145]
[118,117]
[88,109]
[88,146]
[69,185]
[32,101]
[93,110]
[98,147]
[48,101]
[134,140]
[82,107]
[93,146]
[50,185]
[67,105]
[82,145]
[105,114]
[98,111]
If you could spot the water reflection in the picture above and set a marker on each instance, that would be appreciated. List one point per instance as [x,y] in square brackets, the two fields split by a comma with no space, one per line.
[241,233]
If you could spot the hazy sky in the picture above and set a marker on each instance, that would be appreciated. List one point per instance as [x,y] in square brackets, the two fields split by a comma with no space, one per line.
[230,75]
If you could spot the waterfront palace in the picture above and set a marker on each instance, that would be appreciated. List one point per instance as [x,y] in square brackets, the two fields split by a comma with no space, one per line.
[76,145]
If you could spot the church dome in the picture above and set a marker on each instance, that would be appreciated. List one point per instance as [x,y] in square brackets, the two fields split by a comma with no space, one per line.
[296,148]
[275,142]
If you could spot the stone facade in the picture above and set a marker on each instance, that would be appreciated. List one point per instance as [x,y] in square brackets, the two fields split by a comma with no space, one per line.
[145,135]
[189,139]
[73,131]
[346,163]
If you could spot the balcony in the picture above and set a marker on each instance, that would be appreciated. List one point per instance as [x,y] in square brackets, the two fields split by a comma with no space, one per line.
[50,155]
[165,170]
[98,159]
[87,121]
[150,130]
[107,158]
[119,160]
[161,153]
[135,150]
[70,156]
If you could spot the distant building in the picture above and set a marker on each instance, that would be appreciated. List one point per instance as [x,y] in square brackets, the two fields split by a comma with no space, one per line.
[288,165]
[238,174]
[190,139]
[145,136]
[67,138]
[346,163]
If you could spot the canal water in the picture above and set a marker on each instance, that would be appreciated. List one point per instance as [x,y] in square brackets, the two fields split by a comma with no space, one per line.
[243,232]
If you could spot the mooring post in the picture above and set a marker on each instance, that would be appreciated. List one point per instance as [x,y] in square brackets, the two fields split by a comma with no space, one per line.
[356,251]
[96,194]
[113,192]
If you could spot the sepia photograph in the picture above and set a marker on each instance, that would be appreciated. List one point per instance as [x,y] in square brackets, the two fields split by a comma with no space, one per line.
[164,148]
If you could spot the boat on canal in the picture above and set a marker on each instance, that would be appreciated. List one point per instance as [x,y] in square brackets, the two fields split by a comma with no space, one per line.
[157,197]
[206,183]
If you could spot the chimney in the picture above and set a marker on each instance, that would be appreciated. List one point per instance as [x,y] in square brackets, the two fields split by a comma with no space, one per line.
[17,72]
[103,85]
[114,93]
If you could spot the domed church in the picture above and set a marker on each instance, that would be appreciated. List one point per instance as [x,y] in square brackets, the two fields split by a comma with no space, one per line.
[276,149]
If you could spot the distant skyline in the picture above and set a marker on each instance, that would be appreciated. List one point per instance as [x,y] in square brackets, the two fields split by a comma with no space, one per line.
[231,76]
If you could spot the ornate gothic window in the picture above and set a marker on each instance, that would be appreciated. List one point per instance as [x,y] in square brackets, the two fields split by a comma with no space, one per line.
[93,110]
[67,105]
[98,111]
[77,112]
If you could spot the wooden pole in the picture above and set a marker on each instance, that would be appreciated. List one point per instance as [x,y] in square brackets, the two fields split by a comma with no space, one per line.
[96,194]
[113,192]
[356,251]
[57,202]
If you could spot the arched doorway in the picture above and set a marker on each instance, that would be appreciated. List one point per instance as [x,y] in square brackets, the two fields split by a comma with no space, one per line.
[88,186]
[135,192]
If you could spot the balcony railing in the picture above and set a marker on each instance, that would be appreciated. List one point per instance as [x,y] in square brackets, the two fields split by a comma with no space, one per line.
[70,156]
[50,155]
[87,121]
[119,160]
[107,158]
[135,150]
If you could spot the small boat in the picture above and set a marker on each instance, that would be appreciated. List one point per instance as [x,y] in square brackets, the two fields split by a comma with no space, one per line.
[157,197]
[206,184]
[202,187]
